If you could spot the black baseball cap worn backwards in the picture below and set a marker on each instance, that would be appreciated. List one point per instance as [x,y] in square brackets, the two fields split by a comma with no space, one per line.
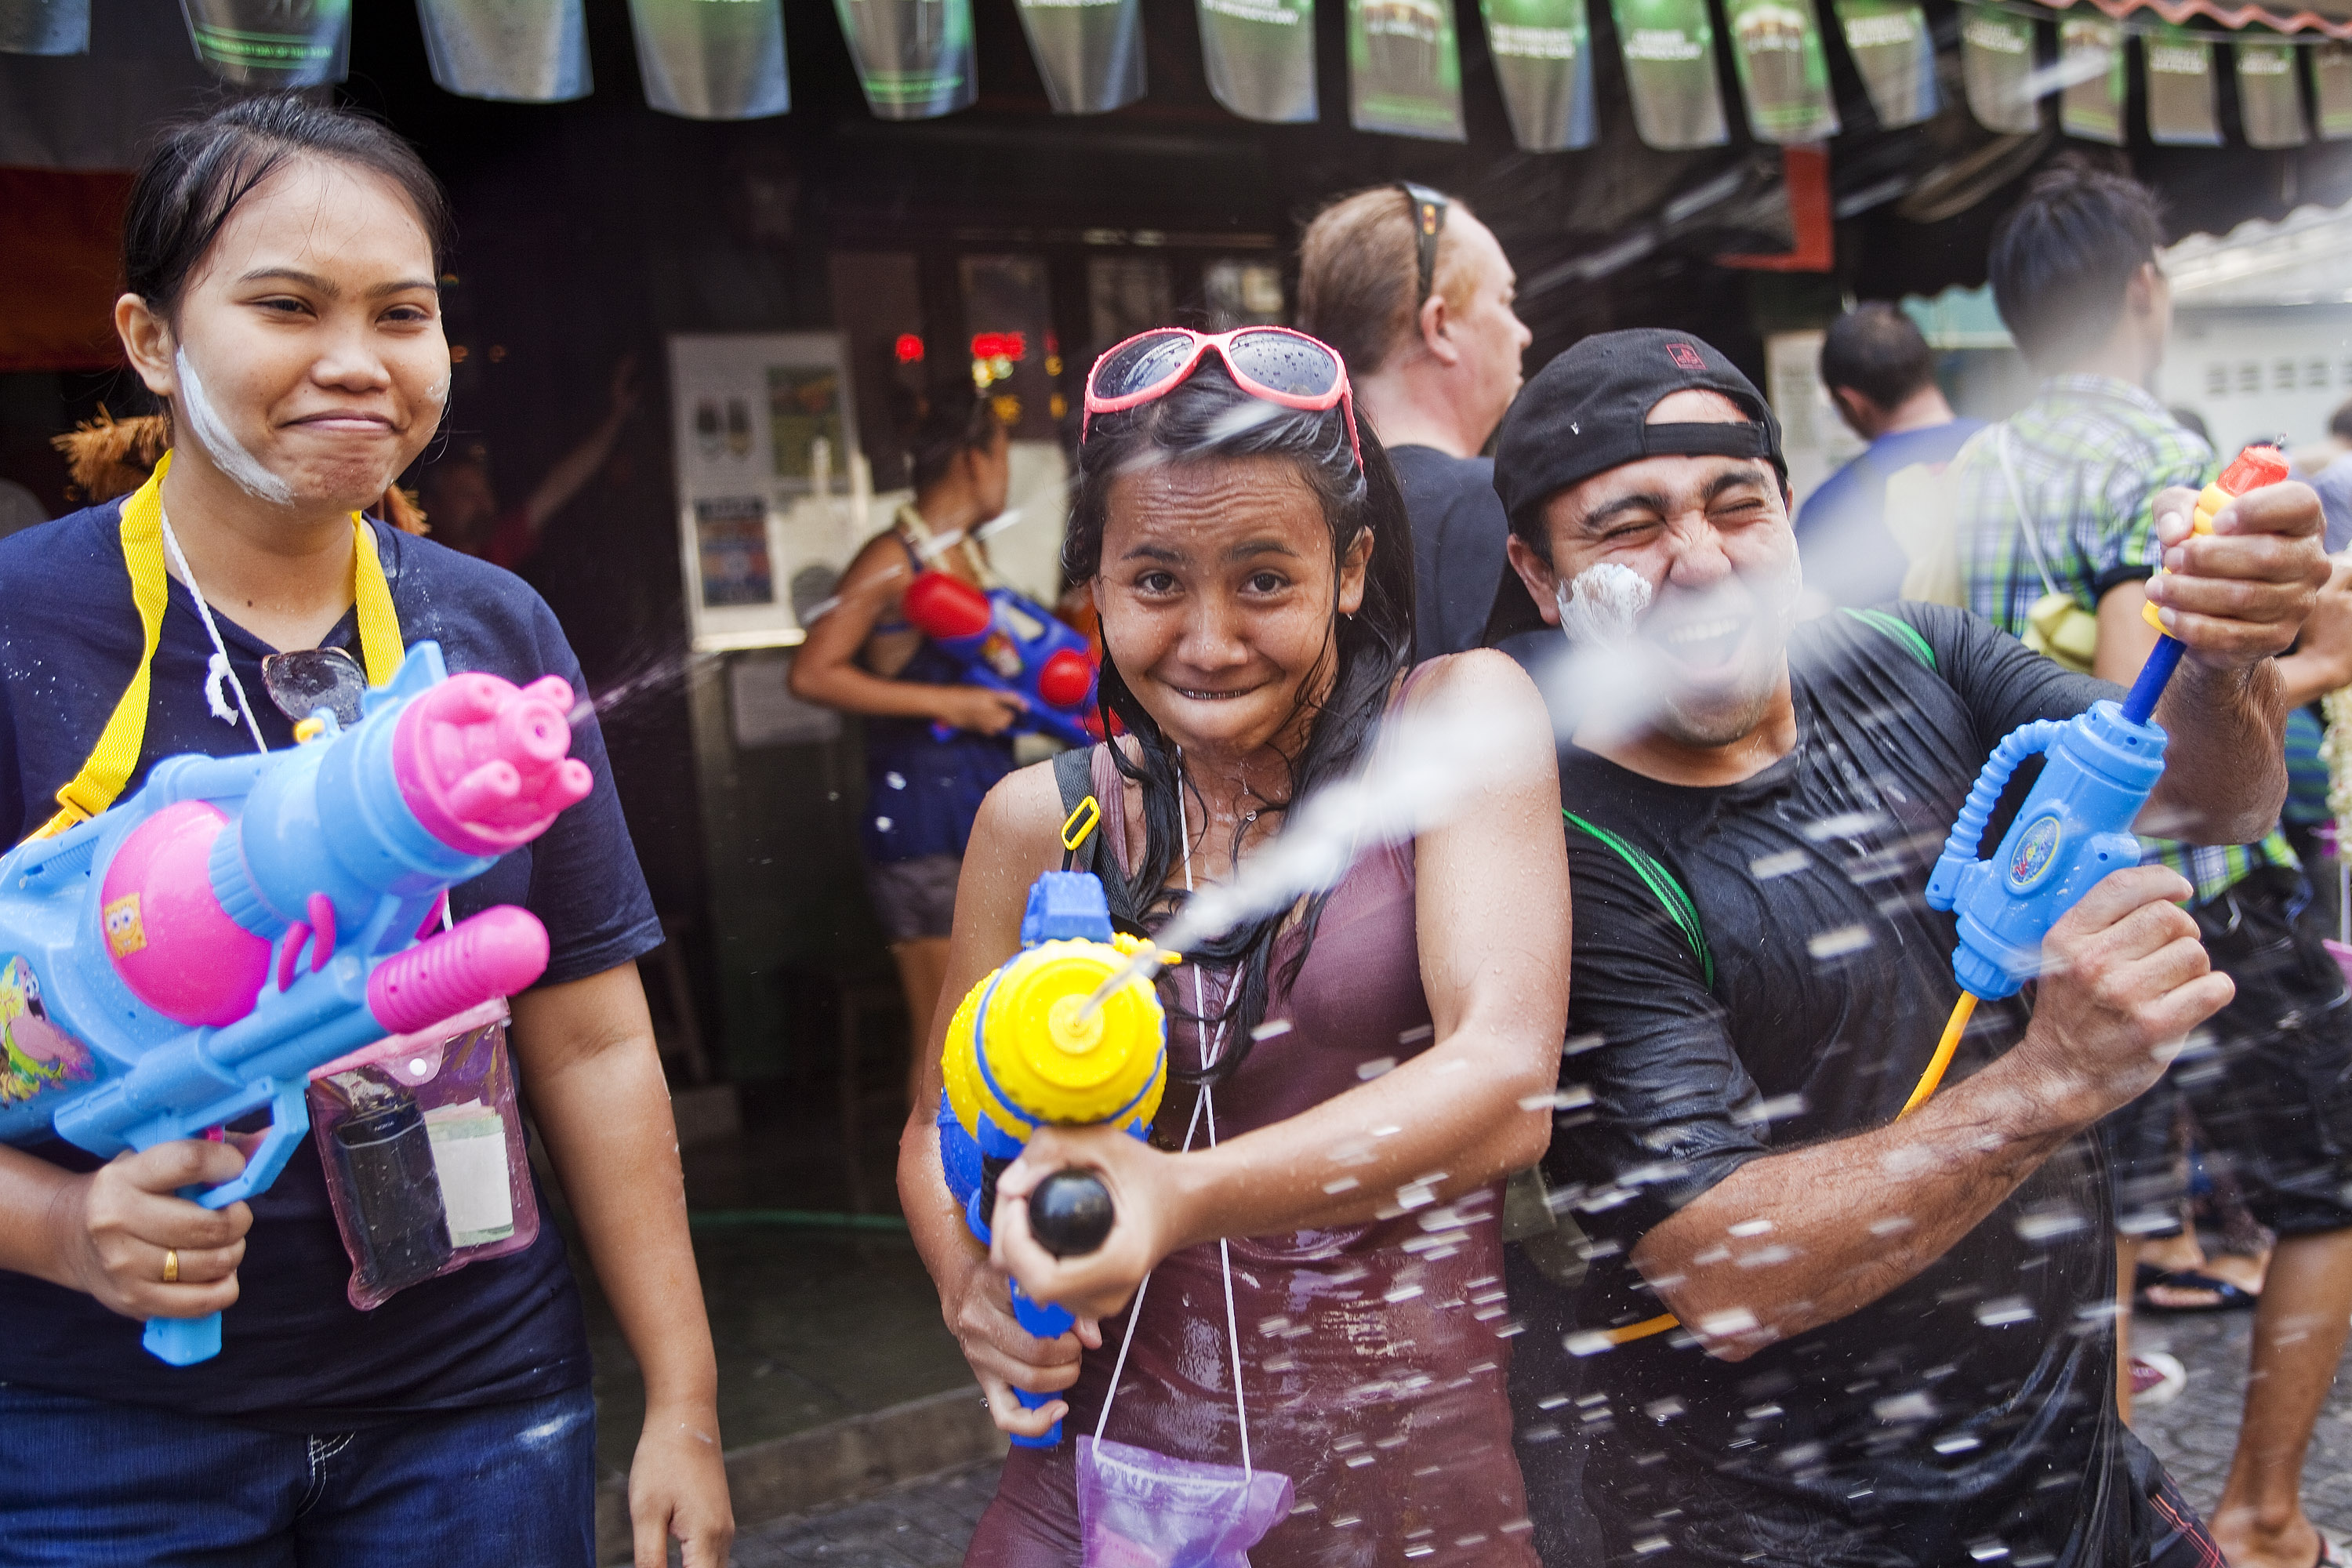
[1587,411]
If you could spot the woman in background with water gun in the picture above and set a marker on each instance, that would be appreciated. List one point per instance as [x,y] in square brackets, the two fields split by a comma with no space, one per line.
[934,745]
[1349,1077]
[280,264]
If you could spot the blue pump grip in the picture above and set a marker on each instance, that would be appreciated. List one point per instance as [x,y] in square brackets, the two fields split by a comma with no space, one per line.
[1960,848]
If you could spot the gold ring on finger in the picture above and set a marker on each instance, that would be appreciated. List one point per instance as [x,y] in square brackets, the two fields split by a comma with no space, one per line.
[171,1266]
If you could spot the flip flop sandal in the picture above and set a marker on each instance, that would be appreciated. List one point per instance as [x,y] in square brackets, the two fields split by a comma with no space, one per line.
[2228,1297]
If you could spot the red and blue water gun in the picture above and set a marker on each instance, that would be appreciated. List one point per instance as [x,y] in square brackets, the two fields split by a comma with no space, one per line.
[1011,643]
[2075,825]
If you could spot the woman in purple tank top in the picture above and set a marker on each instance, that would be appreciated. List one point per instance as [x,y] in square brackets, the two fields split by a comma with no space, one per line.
[1371,1062]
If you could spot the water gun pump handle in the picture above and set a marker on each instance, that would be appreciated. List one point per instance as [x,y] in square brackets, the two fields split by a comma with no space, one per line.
[1965,846]
[1070,1213]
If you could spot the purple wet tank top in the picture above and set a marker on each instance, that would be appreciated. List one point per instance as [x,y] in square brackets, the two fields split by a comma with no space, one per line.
[1373,1357]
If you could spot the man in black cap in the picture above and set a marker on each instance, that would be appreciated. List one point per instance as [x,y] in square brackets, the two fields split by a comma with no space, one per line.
[1815,1334]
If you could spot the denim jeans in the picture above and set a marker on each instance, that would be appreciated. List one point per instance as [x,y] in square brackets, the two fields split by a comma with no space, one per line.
[504,1485]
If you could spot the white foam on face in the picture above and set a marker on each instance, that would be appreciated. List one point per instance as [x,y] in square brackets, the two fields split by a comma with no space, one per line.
[1603,604]
[220,443]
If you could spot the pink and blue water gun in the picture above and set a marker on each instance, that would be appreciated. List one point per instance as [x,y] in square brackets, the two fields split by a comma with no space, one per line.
[1011,643]
[187,957]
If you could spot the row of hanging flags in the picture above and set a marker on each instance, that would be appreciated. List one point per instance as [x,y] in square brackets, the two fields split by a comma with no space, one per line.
[724,60]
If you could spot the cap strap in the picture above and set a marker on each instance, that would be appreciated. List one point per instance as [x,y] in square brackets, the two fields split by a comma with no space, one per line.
[1744,439]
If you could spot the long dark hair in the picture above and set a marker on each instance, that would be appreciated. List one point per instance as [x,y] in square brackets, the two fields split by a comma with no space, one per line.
[1208,419]
[183,194]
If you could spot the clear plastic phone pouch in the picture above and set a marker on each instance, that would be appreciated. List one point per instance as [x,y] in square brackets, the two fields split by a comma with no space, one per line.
[423,1151]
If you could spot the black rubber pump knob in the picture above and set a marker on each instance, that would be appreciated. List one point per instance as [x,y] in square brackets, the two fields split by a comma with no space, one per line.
[1070,1213]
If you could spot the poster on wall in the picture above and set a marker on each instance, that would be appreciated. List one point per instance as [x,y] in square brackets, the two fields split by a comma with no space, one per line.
[702,60]
[772,489]
[1669,51]
[2270,99]
[1089,52]
[509,51]
[1896,55]
[1404,68]
[913,57]
[1260,56]
[2182,110]
[1997,70]
[44,27]
[1543,63]
[271,44]
[1777,47]
[2091,61]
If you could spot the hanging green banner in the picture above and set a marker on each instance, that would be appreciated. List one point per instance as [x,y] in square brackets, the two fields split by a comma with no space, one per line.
[2270,101]
[712,60]
[2331,78]
[2181,108]
[913,57]
[1896,55]
[1404,71]
[1776,46]
[1543,63]
[509,51]
[1261,57]
[1997,70]
[1669,51]
[2091,62]
[1091,52]
[271,44]
[44,27]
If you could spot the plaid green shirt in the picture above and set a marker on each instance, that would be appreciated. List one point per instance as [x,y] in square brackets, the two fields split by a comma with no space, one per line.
[2091,453]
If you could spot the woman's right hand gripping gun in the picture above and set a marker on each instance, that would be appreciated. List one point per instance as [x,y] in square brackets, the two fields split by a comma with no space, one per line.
[1026,1047]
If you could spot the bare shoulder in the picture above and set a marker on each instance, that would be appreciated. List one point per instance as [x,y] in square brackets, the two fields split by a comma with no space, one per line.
[1020,822]
[1481,677]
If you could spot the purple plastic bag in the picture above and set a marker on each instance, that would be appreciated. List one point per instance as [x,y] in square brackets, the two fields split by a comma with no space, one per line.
[1138,1508]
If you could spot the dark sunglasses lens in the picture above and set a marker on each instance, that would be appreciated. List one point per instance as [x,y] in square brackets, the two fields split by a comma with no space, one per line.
[302,682]
[1285,364]
[1147,361]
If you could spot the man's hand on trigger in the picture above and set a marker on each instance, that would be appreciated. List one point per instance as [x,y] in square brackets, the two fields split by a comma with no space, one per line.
[2239,595]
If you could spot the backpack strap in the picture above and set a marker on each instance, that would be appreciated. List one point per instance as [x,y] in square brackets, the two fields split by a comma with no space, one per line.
[1662,886]
[1901,630]
[1074,775]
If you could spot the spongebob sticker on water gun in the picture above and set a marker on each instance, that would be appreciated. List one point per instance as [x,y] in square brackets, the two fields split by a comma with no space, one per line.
[39,1055]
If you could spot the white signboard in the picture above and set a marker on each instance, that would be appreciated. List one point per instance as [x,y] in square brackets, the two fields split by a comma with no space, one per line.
[772,491]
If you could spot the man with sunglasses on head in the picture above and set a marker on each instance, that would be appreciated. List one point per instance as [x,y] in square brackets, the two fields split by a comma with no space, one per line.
[1415,293]
[1815,1329]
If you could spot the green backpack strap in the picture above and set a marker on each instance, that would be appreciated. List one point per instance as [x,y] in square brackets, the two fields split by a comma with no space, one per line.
[1901,630]
[1662,886]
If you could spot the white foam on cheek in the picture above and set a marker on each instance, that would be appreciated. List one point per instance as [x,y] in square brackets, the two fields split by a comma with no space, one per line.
[1603,603]
[212,432]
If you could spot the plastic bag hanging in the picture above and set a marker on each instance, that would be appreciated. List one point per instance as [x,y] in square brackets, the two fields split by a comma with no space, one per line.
[1543,64]
[1404,68]
[702,62]
[1896,54]
[1089,52]
[1669,53]
[1997,70]
[271,42]
[1138,1508]
[1776,46]
[44,27]
[1260,56]
[510,51]
[913,57]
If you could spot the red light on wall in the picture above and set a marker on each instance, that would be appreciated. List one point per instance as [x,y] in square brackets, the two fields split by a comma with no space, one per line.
[909,349]
[1012,347]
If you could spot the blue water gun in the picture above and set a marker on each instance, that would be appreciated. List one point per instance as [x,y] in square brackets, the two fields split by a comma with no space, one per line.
[190,956]
[1028,1046]
[1010,643]
[2074,827]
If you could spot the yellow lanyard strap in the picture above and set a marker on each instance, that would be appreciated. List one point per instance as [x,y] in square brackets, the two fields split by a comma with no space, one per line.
[110,763]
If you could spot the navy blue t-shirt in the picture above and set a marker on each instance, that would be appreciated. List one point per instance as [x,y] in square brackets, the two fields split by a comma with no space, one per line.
[1849,554]
[296,1356]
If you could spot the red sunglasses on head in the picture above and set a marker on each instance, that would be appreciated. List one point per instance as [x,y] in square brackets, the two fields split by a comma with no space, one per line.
[1289,369]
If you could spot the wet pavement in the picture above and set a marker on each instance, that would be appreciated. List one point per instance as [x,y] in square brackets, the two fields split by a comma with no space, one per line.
[925,1524]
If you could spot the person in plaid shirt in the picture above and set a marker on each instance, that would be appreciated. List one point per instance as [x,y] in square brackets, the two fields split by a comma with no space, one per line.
[2058,501]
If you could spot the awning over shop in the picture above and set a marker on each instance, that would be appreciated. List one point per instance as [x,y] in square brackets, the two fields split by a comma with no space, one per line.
[2304,259]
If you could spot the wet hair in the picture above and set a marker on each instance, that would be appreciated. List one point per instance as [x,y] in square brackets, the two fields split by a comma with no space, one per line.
[185,193]
[1209,419]
[1359,274]
[950,420]
[2339,423]
[1876,350]
[2063,257]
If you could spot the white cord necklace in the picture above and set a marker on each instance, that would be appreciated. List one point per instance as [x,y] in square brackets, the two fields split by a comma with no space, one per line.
[1211,1050]
[218,673]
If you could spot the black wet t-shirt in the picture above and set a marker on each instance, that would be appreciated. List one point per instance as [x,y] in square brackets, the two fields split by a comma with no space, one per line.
[1459,545]
[1966,1416]
[296,1355]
